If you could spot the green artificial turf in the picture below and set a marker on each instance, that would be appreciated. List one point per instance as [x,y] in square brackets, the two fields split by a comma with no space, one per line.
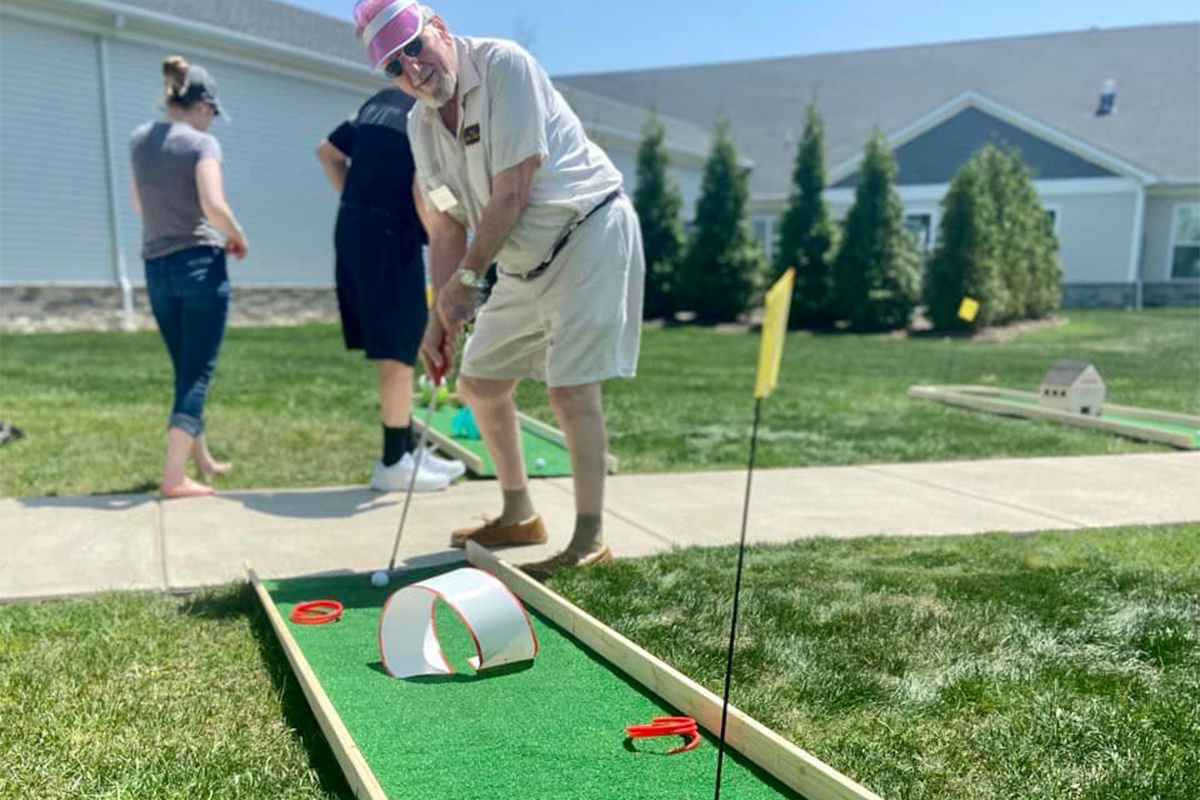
[543,458]
[548,731]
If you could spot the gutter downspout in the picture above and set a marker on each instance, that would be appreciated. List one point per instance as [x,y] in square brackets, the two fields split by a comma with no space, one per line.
[119,268]
[1135,247]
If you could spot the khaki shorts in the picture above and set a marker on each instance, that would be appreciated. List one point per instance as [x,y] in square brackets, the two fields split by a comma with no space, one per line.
[578,322]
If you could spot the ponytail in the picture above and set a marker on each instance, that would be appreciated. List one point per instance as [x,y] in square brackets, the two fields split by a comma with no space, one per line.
[175,72]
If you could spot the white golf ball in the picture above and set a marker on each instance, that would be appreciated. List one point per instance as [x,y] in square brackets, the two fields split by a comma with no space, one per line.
[540,463]
[379,578]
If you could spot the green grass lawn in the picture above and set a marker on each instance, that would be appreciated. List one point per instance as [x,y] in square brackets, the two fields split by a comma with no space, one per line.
[1063,666]
[291,408]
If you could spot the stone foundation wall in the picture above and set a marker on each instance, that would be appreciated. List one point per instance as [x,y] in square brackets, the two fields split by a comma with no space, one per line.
[1123,295]
[1174,293]
[1098,295]
[29,309]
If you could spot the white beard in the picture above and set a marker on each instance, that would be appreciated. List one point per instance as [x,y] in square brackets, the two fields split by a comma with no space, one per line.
[436,101]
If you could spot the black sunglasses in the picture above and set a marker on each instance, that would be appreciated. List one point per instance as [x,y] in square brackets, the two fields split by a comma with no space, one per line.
[395,67]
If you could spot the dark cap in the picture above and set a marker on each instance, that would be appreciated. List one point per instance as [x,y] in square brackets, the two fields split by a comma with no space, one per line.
[200,88]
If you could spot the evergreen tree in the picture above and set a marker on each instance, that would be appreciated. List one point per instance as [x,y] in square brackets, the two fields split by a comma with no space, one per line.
[876,271]
[996,244]
[964,262]
[1028,244]
[724,263]
[806,232]
[658,205]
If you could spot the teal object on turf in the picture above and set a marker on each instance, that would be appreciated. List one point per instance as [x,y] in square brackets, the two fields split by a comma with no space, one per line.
[463,425]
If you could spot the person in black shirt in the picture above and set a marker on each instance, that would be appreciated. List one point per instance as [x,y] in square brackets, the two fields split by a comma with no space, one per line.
[380,274]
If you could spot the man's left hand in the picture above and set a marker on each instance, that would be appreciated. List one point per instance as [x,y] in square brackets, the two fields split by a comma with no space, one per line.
[455,305]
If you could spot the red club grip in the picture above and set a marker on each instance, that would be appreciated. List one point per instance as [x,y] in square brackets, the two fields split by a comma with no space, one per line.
[436,373]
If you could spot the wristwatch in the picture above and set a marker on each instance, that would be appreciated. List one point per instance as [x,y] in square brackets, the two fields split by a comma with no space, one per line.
[467,277]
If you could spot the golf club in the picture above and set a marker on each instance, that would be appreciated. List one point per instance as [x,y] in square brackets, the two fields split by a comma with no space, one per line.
[412,481]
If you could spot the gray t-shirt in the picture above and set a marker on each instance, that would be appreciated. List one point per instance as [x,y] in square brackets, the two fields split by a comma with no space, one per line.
[164,157]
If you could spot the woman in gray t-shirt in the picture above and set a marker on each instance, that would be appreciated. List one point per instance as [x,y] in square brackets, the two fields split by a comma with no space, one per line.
[187,228]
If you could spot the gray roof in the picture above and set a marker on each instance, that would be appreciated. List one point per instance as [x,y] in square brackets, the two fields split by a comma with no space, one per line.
[1066,371]
[268,19]
[330,36]
[1053,78]
[596,109]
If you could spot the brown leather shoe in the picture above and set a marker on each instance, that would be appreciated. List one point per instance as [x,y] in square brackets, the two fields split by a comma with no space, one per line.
[489,534]
[541,570]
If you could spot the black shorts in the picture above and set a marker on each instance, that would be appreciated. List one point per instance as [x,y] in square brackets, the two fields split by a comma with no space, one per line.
[380,283]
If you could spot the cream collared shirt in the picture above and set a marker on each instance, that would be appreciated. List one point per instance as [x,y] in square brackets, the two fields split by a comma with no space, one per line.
[509,111]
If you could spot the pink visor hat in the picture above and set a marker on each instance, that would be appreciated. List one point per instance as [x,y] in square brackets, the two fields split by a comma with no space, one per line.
[385,26]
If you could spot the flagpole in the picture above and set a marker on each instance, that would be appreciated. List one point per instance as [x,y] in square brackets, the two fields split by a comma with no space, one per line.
[737,592]
[770,357]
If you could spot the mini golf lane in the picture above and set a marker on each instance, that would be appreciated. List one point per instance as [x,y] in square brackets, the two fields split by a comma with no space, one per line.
[543,458]
[1179,429]
[549,731]
[1176,429]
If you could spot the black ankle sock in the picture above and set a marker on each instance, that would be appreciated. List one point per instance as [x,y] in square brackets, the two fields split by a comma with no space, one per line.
[396,442]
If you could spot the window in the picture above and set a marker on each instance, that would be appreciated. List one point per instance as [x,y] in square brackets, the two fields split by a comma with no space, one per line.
[764,232]
[1052,213]
[921,228]
[1185,241]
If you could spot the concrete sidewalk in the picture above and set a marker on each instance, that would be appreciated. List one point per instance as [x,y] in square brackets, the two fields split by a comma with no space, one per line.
[64,546]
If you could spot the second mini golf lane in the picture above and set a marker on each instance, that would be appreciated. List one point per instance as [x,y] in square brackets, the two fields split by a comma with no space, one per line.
[543,458]
[550,731]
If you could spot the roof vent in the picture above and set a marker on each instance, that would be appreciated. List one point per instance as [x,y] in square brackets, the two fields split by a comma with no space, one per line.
[1108,98]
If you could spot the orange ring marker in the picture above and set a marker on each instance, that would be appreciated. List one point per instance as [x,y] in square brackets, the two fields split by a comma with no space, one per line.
[668,726]
[316,612]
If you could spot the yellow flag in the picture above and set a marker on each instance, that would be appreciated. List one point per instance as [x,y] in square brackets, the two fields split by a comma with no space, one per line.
[770,352]
[968,309]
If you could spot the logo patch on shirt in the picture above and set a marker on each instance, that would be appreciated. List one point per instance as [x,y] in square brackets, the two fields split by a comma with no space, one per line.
[471,134]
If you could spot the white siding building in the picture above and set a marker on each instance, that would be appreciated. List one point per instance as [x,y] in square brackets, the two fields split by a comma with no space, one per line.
[76,76]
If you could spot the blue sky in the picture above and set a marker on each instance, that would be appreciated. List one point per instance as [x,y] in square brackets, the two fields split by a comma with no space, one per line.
[569,36]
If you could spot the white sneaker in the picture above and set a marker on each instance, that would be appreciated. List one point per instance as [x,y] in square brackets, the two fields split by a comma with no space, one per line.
[397,477]
[450,467]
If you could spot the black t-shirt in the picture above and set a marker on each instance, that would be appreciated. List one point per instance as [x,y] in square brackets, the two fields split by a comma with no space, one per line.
[381,162]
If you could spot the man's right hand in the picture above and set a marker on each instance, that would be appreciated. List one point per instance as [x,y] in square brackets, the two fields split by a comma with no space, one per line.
[437,350]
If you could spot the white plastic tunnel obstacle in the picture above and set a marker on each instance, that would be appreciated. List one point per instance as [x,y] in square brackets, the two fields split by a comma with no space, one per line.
[494,617]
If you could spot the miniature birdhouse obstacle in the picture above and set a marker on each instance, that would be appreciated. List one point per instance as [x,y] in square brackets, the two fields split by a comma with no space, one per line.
[1072,392]
[1074,386]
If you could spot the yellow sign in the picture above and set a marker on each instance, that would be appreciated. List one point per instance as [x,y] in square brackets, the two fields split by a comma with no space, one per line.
[968,309]
[774,328]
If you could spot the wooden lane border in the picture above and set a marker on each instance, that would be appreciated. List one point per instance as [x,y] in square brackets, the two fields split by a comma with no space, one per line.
[448,445]
[973,397]
[788,763]
[553,434]
[358,773]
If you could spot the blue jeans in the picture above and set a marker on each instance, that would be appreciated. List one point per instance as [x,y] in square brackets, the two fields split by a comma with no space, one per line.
[189,294]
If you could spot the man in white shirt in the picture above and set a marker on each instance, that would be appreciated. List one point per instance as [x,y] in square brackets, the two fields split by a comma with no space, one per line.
[500,153]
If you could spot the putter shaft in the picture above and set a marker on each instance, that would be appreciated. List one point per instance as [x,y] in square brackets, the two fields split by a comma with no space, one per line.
[412,481]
